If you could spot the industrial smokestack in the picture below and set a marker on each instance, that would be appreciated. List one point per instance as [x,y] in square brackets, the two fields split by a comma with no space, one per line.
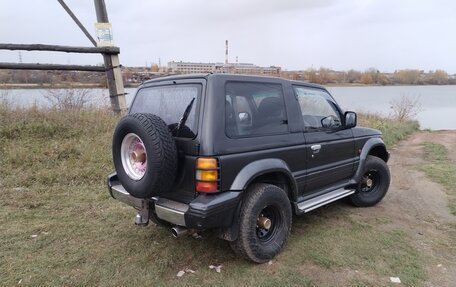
[226,52]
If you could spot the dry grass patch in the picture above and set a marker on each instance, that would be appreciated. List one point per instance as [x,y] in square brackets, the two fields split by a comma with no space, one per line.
[58,225]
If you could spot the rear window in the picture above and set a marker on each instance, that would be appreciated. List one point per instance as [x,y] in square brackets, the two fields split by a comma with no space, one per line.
[169,103]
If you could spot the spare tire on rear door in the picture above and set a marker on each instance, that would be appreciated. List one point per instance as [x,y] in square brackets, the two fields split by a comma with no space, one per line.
[145,155]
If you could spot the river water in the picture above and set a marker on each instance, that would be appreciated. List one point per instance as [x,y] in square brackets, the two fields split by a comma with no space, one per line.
[438,103]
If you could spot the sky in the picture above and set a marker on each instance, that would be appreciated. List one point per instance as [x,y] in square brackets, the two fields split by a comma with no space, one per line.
[293,34]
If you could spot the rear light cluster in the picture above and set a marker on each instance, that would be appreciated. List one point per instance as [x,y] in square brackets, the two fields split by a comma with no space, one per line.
[207,175]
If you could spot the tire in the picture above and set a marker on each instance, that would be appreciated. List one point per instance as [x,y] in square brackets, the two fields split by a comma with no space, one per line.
[371,193]
[255,243]
[149,138]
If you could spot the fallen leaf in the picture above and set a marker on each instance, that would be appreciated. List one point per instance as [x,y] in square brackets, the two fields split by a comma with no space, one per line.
[33,236]
[196,236]
[395,279]
[217,268]
[182,272]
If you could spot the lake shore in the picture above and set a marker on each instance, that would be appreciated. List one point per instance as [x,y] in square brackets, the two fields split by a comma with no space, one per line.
[437,103]
[98,86]
[58,86]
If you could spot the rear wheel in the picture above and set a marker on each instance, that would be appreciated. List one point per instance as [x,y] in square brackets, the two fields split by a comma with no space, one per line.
[264,223]
[374,183]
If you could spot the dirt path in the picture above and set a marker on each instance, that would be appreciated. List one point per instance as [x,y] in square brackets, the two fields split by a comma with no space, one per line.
[426,218]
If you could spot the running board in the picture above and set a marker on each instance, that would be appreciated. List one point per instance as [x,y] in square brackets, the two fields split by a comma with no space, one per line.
[326,198]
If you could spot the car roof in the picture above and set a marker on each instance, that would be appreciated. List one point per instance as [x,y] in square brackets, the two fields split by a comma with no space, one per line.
[233,77]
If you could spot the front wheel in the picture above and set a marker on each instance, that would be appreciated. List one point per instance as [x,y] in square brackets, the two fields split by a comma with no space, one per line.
[374,183]
[264,223]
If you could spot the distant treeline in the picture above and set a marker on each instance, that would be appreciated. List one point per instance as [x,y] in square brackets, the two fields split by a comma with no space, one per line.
[372,77]
[21,77]
[134,76]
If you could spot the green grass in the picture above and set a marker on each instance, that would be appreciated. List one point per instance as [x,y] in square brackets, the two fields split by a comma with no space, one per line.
[58,225]
[392,130]
[334,239]
[440,169]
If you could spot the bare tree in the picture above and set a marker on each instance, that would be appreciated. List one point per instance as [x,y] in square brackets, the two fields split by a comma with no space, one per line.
[405,108]
[5,98]
[68,99]
[353,76]
[4,93]
[439,77]
[408,77]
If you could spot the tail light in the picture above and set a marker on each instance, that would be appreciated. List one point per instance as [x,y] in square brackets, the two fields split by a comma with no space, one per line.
[207,175]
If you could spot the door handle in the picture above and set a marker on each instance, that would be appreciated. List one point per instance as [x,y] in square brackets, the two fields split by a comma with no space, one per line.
[315,148]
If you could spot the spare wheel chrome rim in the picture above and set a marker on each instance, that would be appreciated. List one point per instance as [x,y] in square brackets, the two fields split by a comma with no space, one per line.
[134,157]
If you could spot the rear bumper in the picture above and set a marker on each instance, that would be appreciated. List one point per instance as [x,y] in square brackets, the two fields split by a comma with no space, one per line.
[204,212]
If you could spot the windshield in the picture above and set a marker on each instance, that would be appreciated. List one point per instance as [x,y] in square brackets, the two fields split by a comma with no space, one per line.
[169,103]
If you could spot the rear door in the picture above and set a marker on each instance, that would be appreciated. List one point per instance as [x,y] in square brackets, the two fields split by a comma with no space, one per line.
[169,100]
[329,147]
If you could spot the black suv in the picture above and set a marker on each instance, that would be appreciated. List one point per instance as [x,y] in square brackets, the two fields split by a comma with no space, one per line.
[240,154]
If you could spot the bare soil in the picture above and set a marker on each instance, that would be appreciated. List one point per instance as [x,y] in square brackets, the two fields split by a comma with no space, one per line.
[415,205]
[419,206]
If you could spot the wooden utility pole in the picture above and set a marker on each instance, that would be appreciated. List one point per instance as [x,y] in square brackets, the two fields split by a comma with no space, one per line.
[112,64]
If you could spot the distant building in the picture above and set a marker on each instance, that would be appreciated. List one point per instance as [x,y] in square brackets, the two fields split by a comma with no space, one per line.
[247,69]
[190,68]
[234,68]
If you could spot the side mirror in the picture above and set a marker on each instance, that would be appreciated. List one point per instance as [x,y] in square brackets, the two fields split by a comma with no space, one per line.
[350,120]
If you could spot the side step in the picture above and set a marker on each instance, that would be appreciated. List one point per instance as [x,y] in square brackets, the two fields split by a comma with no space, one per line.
[326,198]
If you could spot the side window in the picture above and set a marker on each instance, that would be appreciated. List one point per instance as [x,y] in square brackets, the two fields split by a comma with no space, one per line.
[254,109]
[317,108]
